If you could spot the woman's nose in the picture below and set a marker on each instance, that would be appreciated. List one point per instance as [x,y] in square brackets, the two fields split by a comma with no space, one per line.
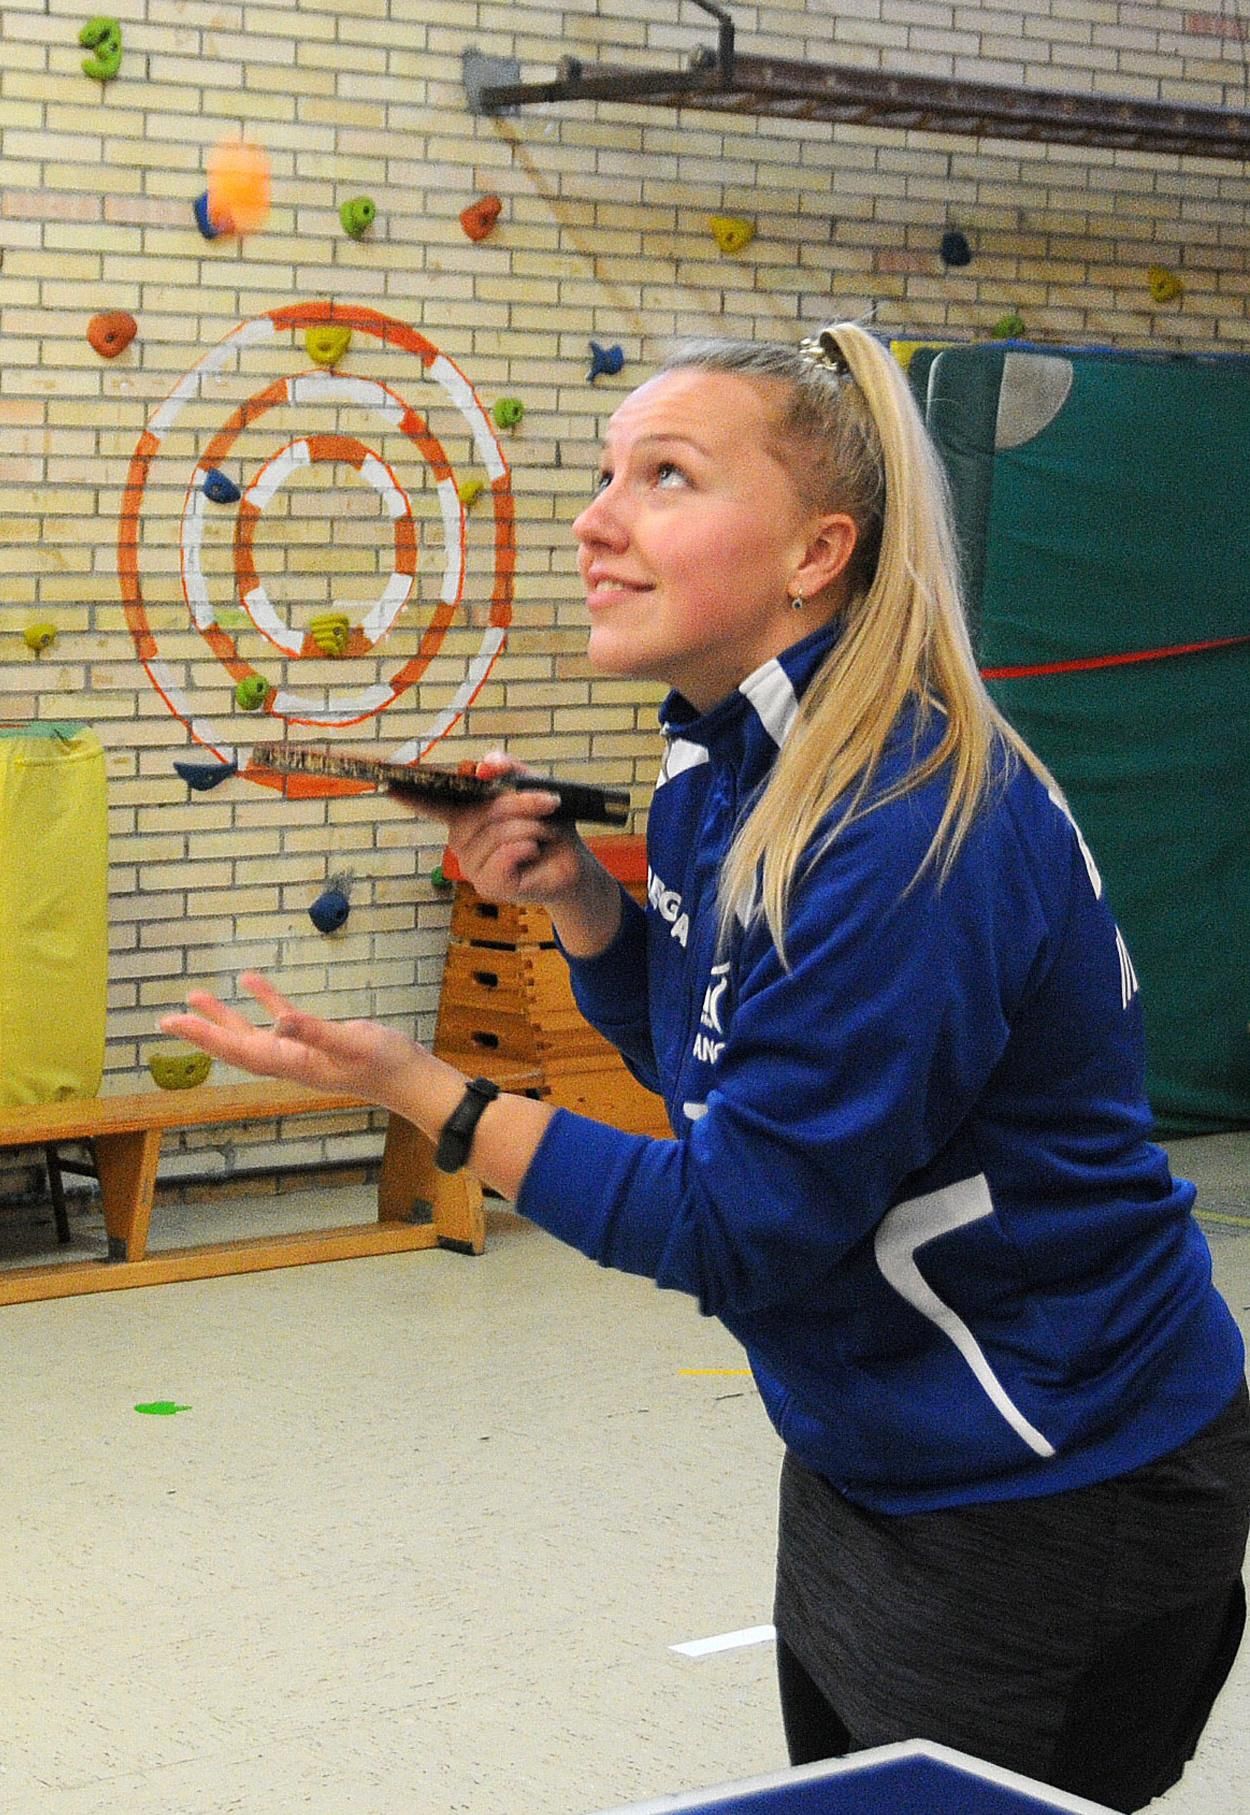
[600,521]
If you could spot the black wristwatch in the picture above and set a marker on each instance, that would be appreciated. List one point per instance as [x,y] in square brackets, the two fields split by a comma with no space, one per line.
[456,1138]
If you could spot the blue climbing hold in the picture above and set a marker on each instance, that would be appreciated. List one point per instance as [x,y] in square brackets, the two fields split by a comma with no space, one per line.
[203,776]
[955,250]
[220,489]
[604,361]
[203,219]
[329,910]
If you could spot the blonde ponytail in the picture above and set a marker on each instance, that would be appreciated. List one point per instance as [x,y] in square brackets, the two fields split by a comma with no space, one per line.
[854,438]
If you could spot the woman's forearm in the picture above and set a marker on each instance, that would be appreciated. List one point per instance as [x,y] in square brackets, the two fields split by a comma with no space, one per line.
[588,919]
[506,1137]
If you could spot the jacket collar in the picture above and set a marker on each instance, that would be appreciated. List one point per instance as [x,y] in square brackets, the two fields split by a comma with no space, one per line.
[749,726]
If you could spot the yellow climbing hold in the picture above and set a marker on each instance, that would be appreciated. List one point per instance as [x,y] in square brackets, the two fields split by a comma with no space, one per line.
[38,637]
[326,346]
[469,491]
[175,1069]
[330,632]
[730,232]
[1165,285]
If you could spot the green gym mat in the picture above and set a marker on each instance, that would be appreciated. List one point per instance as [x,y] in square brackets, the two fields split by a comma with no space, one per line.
[1100,503]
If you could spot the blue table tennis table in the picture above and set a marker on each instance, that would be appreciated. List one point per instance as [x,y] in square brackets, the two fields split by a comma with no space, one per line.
[912,1778]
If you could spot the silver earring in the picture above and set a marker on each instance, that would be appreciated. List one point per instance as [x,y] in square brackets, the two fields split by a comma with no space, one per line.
[797,601]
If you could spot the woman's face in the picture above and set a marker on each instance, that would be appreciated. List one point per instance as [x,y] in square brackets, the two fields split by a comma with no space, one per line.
[695,538]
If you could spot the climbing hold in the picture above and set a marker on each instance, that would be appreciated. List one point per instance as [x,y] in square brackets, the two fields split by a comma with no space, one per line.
[238,186]
[325,346]
[218,489]
[358,215]
[507,412]
[469,491]
[329,911]
[202,219]
[251,694]
[955,250]
[103,38]
[439,878]
[205,776]
[480,216]
[38,637]
[178,1070]
[330,632]
[1165,285]
[730,233]
[604,361]
[162,1408]
[111,333]
[1009,327]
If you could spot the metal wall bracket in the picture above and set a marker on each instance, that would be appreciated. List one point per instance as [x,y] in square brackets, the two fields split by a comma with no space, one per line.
[720,81]
[481,71]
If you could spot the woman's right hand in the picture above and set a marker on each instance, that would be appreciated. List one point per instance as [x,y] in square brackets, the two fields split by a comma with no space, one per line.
[511,849]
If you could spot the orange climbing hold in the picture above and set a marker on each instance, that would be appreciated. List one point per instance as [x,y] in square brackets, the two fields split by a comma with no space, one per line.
[480,216]
[112,332]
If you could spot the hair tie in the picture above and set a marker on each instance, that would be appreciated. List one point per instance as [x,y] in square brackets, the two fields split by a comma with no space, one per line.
[822,351]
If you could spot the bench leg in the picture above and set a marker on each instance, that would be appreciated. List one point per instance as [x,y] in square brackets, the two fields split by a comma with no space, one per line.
[412,1189]
[56,1192]
[126,1166]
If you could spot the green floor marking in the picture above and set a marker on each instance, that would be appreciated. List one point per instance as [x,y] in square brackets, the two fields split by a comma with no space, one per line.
[162,1408]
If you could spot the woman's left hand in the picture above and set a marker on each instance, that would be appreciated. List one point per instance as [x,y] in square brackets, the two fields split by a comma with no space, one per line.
[362,1058]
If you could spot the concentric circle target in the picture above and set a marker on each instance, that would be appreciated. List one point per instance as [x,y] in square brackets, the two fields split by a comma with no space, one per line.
[181,444]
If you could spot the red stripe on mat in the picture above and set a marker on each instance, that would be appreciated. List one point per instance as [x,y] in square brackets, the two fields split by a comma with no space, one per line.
[1026,671]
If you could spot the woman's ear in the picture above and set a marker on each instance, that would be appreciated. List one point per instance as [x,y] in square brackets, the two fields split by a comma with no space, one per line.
[827,556]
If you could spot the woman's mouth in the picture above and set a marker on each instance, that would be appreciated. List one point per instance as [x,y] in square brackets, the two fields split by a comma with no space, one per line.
[603,590]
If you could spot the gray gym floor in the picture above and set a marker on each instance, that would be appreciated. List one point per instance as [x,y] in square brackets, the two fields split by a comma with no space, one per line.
[422,1540]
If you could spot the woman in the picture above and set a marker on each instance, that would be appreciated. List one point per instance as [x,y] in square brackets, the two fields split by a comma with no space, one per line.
[899,1038]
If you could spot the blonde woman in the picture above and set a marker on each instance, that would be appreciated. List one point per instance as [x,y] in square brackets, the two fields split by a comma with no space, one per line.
[898,1034]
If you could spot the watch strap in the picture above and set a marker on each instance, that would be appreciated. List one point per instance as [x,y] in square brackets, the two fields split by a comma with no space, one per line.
[456,1138]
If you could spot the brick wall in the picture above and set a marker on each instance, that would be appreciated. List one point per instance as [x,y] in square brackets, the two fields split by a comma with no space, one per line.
[603,234]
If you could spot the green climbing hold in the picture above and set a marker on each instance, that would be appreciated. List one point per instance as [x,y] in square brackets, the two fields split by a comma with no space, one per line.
[358,215]
[437,877]
[1009,327]
[251,694]
[161,1408]
[507,412]
[103,38]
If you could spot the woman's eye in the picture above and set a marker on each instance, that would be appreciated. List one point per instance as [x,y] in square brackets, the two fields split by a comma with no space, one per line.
[600,483]
[667,473]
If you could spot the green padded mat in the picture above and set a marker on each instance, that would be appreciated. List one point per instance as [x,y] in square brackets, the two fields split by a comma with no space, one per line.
[1101,504]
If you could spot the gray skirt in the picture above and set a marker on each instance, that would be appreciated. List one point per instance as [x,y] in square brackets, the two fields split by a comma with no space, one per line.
[973,1627]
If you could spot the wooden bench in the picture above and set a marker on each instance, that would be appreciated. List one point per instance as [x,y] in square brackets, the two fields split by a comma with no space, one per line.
[418,1206]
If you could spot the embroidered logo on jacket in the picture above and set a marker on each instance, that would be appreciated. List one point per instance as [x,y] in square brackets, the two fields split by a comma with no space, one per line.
[705,1047]
[667,904]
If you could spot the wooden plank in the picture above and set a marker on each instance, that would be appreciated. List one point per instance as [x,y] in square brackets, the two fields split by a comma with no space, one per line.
[518,1038]
[610,1094]
[507,923]
[205,1105]
[68,1279]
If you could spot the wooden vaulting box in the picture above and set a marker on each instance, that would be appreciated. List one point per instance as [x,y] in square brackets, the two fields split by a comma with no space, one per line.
[506,1001]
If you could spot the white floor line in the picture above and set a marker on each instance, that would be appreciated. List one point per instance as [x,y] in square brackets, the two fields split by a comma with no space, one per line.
[727,1641]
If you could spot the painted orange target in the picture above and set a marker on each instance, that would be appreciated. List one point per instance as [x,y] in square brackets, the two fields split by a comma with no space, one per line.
[176,433]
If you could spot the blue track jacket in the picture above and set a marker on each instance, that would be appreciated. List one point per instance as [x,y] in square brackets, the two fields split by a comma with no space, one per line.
[912,1171]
